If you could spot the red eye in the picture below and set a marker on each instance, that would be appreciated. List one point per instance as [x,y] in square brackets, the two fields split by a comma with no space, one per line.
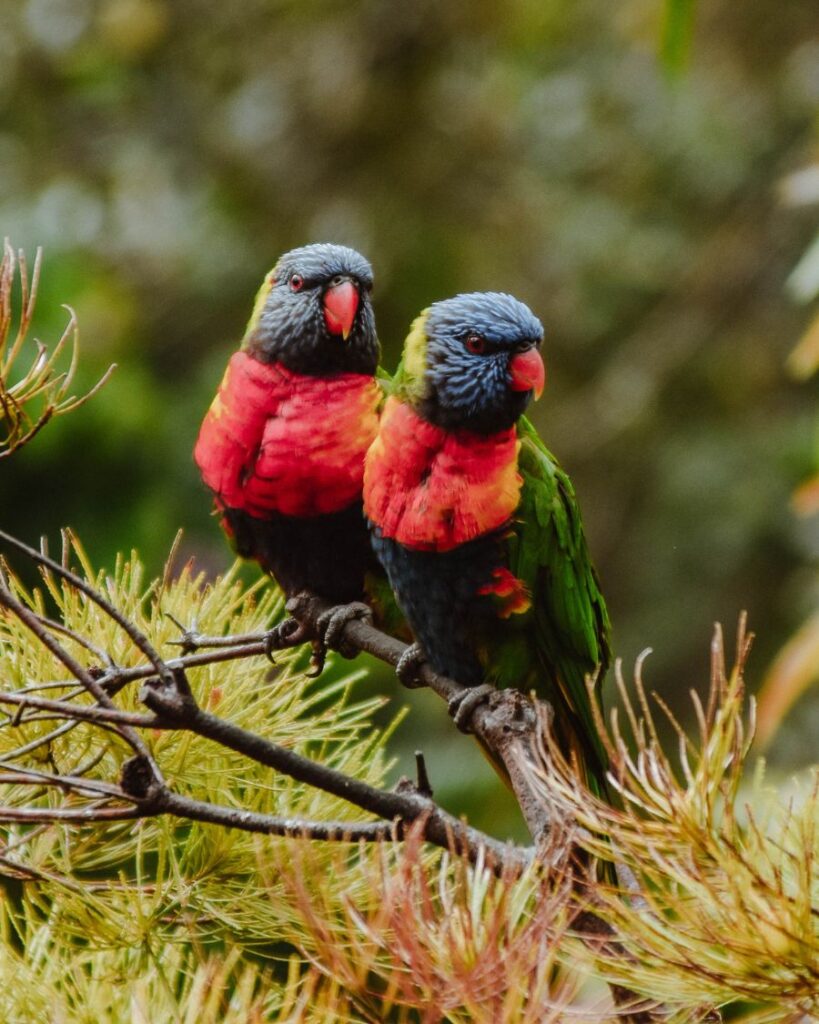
[296,283]
[475,344]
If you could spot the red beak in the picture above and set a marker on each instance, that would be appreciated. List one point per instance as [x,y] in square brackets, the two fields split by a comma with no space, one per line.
[340,308]
[527,372]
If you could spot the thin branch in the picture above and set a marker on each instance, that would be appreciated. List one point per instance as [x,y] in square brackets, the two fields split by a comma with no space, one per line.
[176,708]
[80,712]
[113,678]
[31,621]
[135,634]
[250,821]
[59,627]
[82,815]
[26,776]
[27,748]
[192,640]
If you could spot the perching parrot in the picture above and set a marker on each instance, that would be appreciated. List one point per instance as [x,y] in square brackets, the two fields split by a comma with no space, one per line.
[282,445]
[476,523]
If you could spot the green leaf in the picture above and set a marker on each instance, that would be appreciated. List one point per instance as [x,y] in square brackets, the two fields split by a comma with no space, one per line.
[677,30]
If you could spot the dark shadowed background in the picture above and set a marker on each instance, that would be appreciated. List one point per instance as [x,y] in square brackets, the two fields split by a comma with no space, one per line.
[660,226]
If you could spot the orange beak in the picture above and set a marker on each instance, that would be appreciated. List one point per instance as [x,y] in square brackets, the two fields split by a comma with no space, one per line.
[527,372]
[340,307]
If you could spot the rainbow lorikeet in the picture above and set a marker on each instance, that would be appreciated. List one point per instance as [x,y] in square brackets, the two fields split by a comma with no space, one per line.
[282,445]
[476,523]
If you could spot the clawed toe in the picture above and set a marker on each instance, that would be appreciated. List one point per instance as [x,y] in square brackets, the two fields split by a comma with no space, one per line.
[462,706]
[330,629]
[317,659]
[330,625]
[409,665]
[287,633]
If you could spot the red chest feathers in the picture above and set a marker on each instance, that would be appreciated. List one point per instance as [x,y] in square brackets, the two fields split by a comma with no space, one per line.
[274,440]
[432,489]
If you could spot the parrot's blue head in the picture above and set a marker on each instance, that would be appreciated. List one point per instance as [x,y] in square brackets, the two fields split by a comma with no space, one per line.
[314,314]
[476,362]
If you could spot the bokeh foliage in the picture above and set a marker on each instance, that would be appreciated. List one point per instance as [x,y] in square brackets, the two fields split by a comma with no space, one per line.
[165,153]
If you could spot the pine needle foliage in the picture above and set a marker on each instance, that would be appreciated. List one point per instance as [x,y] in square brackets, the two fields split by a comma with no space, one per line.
[176,920]
[163,910]
[438,939]
[726,869]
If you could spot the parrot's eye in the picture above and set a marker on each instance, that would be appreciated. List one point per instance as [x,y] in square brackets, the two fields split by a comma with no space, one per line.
[296,283]
[475,343]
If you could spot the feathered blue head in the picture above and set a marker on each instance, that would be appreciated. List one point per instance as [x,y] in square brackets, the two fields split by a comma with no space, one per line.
[473,361]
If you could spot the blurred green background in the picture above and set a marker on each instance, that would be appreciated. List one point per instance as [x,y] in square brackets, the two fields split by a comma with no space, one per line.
[659,224]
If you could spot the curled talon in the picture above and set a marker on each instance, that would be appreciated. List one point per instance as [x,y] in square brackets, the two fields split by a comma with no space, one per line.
[270,646]
[409,665]
[330,629]
[330,626]
[462,706]
[287,633]
[290,633]
[317,659]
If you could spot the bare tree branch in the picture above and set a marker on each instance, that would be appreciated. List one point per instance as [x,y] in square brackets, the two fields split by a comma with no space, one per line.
[507,722]
[176,708]
[79,712]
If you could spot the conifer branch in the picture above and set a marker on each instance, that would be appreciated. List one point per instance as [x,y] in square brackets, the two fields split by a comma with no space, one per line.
[168,695]
[508,723]
[33,623]
[176,708]
[78,583]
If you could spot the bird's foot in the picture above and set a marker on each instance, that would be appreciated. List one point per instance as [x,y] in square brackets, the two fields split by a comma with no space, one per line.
[287,633]
[330,625]
[408,666]
[330,629]
[462,706]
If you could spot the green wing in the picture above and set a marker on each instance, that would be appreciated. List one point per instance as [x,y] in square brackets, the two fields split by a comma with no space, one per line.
[568,627]
[384,380]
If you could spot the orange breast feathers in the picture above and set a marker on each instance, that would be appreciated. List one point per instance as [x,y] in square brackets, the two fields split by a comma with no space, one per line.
[432,489]
[274,440]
